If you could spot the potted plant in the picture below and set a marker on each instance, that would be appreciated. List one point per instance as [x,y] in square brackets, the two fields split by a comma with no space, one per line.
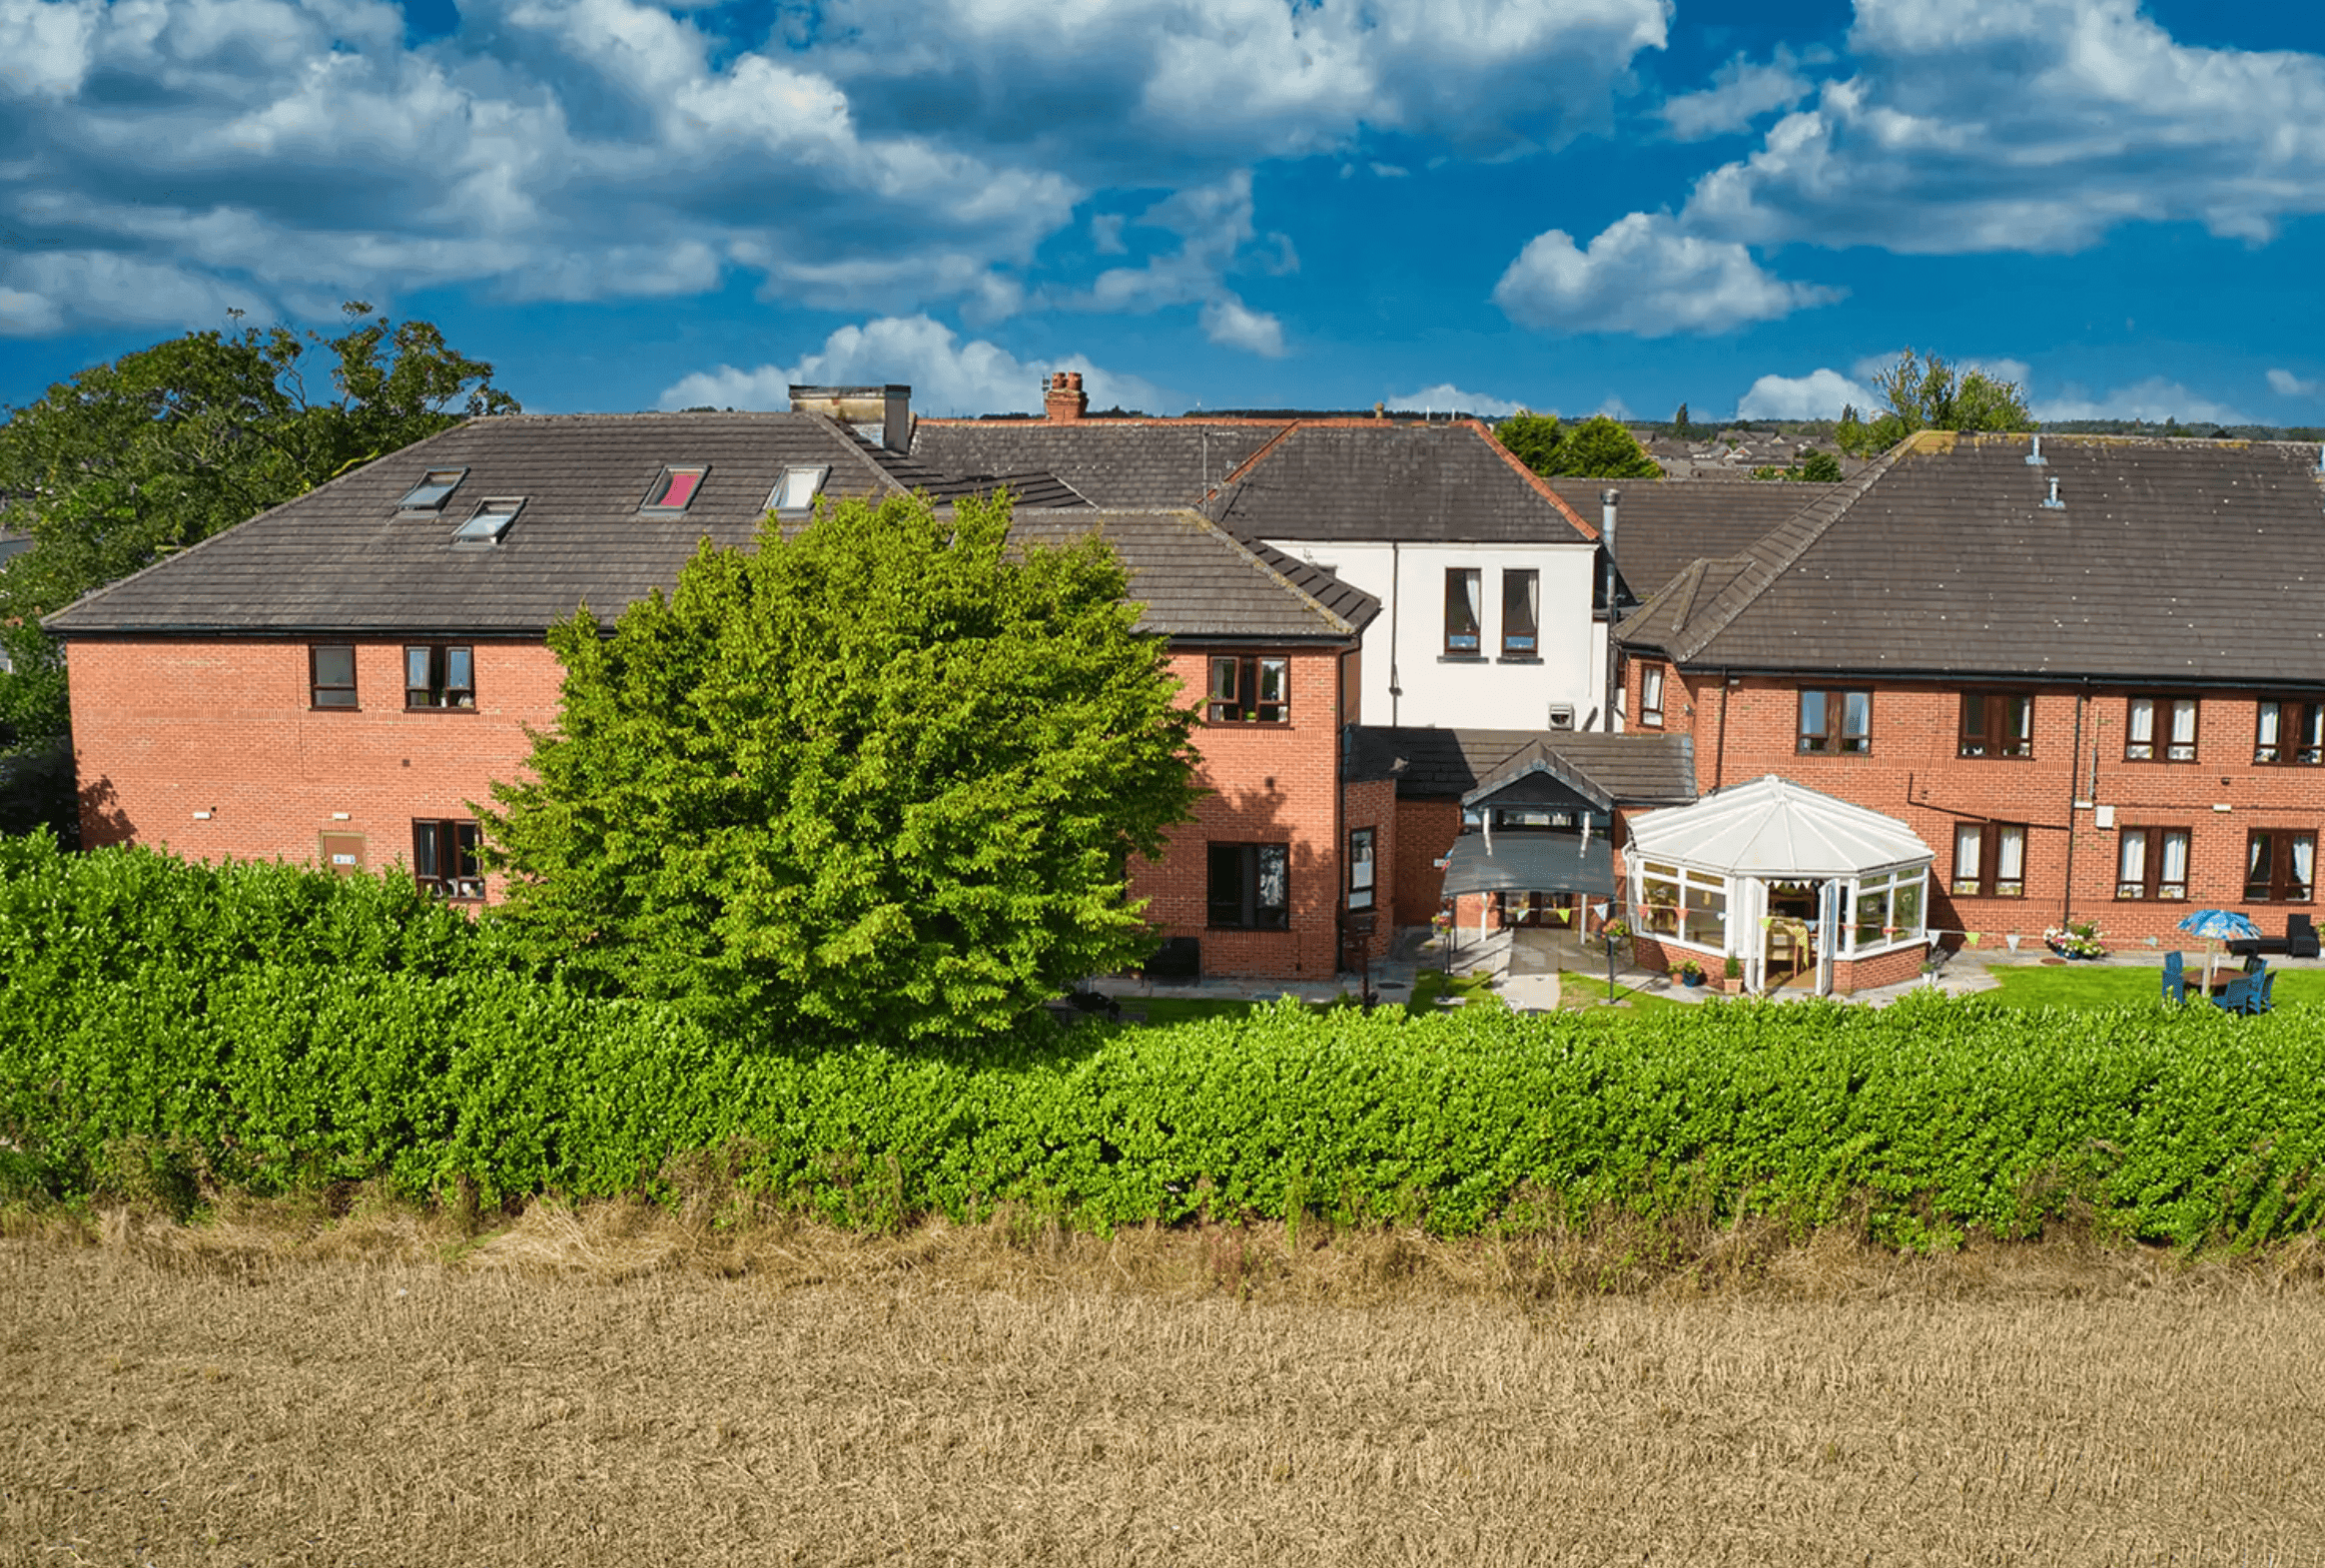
[1732,975]
[1691,973]
[1678,973]
[2076,939]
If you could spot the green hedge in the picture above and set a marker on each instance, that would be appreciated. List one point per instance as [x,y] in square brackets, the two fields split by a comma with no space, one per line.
[299,1030]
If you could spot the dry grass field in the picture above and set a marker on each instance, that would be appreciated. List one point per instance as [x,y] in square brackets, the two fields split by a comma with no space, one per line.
[625,1387]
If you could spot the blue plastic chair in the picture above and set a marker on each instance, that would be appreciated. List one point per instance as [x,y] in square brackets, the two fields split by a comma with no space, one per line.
[2264,1000]
[2246,994]
[2175,978]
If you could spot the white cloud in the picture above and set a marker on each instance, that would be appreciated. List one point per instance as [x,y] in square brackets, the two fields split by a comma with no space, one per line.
[1392,172]
[1445,398]
[1213,223]
[2154,400]
[2286,384]
[1647,276]
[1228,321]
[1819,394]
[947,377]
[1741,93]
[2028,125]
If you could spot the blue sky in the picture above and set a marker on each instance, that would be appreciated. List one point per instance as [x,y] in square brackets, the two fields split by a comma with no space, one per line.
[1566,205]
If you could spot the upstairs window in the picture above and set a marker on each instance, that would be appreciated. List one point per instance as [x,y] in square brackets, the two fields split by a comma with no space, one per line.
[1651,695]
[1521,614]
[2161,729]
[1249,690]
[2152,863]
[434,488]
[2290,732]
[439,675]
[2279,867]
[1990,860]
[444,859]
[330,675]
[798,489]
[490,522]
[1461,611]
[1836,721]
[1998,724]
[675,490]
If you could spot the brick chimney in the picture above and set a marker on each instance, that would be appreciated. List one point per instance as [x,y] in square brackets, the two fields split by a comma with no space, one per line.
[1066,402]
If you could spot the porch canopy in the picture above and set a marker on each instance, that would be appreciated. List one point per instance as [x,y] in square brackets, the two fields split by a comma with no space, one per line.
[1530,863]
[1774,828]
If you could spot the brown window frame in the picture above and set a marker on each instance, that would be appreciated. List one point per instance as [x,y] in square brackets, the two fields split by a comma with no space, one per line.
[1237,701]
[438,693]
[1360,895]
[1235,872]
[1829,741]
[317,686]
[1654,680]
[1521,636]
[1458,580]
[2279,888]
[437,840]
[1990,707]
[1987,883]
[2160,746]
[2151,888]
[2309,753]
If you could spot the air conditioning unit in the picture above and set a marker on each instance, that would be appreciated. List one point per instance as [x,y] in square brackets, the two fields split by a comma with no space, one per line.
[1562,715]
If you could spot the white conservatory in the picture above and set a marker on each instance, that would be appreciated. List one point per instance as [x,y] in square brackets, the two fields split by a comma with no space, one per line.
[1805,888]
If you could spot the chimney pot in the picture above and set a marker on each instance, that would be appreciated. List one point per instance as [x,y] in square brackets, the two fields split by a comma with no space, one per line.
[1067,401]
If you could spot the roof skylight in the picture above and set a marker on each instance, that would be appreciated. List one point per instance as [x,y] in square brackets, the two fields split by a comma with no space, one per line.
[675,490]
[490,522]
[798,489]
[430,493]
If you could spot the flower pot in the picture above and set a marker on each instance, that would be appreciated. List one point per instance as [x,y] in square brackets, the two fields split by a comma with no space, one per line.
[1691,980]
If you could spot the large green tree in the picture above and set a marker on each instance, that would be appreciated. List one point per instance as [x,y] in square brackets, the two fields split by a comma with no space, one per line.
[882,780]
[1597,449]
[1929,395]
[163,447]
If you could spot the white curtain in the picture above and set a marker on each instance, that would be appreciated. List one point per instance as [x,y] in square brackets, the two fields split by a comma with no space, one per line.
[2176,860]
[2011,861]
[2304,859]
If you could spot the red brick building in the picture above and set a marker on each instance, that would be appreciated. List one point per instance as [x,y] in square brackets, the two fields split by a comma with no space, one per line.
[2088,672]
[339,680]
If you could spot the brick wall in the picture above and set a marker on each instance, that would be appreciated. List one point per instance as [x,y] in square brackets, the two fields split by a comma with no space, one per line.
[1373,804]
[166,728]
[1913,772]
[1425,830]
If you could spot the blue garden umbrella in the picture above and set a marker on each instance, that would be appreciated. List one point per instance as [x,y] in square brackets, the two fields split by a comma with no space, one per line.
[2219,925]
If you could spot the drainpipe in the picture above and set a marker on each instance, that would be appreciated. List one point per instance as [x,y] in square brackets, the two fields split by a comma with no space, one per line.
[1720,749]
[2075,766]
[1607,501]
[1395,597]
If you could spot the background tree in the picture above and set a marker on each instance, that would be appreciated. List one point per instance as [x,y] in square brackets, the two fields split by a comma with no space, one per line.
[1926,395]
[1681,426]
[884,779]
[163,447]
[1597,449]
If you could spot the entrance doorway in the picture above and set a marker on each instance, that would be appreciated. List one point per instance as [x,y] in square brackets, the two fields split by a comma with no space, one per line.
[1791,955]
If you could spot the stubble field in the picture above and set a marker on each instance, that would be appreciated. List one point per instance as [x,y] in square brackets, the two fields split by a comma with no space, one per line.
[623,1387]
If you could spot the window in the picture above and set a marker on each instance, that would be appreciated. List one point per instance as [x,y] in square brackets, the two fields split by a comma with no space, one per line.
[1249,691]
[798,489]
[1461,605]
[490,522]
[1836,721]
[1651,694]
[438,676]
[1688,905]
[1998,724]
[330,675]
[1521,614]
[2279,866]
[2290,732]
[673,489]
[1990,860]
[1250,886]
[1887,911]
[1360,868]
[444,858]
[2152,863]
[2161,729]
[434,488]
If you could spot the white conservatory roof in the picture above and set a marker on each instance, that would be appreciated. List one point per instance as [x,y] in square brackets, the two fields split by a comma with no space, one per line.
[1773,827]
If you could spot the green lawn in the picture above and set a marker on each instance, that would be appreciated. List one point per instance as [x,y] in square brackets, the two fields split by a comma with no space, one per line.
[1577,990]
[2089,986]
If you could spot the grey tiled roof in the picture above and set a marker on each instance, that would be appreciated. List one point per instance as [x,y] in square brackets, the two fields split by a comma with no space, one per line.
[1026,487]
[343,559]
[1663,525]
[1380,480]
[1449,763]
[1112,463]
[2169,560]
